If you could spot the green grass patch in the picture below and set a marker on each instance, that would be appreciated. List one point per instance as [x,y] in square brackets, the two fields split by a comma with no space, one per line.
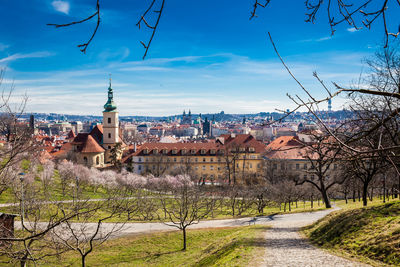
[370,234]
[239,246]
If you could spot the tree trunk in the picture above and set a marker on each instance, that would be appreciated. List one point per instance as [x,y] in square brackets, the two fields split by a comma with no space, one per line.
[184,238]
[326,199]
[83,260]
[371,196]
[365,194]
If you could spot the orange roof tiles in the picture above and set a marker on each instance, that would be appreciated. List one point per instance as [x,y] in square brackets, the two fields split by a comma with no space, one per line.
[91,146]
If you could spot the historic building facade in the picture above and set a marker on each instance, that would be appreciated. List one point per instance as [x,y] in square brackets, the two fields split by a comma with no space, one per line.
[229,158]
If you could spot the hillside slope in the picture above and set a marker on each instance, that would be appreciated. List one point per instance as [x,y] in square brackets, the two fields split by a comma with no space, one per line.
[371,233]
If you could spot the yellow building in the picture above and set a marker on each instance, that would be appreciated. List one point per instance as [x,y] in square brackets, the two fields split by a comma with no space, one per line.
[231,158]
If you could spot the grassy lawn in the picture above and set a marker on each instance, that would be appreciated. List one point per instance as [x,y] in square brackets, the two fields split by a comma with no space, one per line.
[370,234]
[239,246]
[358,204]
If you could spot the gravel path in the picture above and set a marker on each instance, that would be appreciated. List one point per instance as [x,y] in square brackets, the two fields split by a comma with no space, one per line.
[285,246]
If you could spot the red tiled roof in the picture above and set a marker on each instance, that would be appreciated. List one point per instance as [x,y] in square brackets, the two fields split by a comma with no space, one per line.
[97,133]
[91,146]
[284,141]
[286,147]
[243,140]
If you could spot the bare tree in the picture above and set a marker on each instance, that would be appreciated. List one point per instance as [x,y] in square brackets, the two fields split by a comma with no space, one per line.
[187,205]
[323,156]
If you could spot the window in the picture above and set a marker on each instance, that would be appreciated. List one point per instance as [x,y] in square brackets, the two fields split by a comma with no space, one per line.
[204,159]
[305,166]
[109,120]
[140,167]
[251,166]
[335,166]
[85,160]
[155,151]
[312,177]
[211,159]
[258,165]
[204,168]
[109,135]
[203,151]
[174,151]
[146,151]
[282,166]
[193,151]
[97,160]
[305,176]
[251,149]
[275,166]
[212,151]
[165,151]
[140,159]
[174,159]
[297,166]
[183,151]
[195,159]
[211,167]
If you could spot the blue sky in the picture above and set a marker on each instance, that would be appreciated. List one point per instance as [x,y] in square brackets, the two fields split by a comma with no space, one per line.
[207,56]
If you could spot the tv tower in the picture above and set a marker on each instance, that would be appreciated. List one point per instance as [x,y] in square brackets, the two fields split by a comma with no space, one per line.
[329,105]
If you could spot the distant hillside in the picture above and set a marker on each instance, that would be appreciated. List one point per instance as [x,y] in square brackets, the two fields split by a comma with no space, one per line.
[366,233]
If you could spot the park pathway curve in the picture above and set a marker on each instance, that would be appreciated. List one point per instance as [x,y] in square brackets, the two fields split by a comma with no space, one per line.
[286,247]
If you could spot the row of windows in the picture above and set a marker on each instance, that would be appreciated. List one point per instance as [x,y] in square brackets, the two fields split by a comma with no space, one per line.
[299,166]
[183,159]
[194,151]
[204,167]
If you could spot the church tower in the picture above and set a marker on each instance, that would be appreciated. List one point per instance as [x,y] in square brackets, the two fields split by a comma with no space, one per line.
[110,122]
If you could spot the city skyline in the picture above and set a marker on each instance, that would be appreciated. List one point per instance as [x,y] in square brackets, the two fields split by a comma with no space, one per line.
[205,58]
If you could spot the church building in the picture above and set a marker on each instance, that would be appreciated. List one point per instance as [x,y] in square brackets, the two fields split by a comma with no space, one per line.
[96,149]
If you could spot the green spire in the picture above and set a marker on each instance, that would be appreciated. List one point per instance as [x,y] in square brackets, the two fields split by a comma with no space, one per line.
[110,106]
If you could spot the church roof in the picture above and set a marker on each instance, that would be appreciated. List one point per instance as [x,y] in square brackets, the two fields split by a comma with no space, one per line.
[91,146]
[97,133]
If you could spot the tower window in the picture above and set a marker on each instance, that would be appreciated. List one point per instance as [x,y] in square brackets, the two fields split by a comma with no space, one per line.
[109,120]
[109,135]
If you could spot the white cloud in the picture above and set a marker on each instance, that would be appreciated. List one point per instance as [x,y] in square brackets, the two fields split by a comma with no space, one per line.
[61,6]
[352,29]
[324,38]
[3,46]
[29,55]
